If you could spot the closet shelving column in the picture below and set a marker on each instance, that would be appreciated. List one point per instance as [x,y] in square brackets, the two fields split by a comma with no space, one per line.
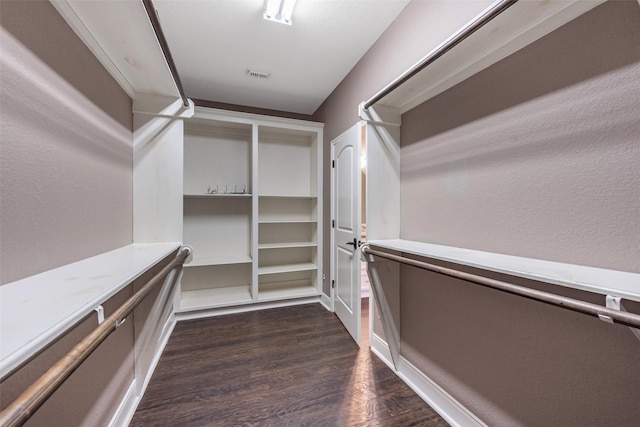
[288,213]
[217,214]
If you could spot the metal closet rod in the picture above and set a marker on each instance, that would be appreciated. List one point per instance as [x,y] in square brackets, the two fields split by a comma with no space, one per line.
[21,409]
[603,313]
[155,23]
[457,38]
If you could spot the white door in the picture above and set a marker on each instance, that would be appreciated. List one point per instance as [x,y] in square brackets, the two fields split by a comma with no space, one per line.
[345,176]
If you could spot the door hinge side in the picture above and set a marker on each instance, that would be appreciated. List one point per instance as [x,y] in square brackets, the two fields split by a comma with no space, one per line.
[333,223]
[333,284]
[333,163]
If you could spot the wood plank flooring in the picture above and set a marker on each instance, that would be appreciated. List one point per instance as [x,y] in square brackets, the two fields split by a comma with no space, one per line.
[293,366]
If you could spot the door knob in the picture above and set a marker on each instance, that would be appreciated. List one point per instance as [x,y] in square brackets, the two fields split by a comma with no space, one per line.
[355,243]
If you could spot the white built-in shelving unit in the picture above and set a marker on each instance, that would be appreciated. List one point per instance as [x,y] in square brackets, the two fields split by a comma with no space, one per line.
[252,205]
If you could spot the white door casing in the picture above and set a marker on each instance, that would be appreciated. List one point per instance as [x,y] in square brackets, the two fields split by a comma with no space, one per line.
[346,218]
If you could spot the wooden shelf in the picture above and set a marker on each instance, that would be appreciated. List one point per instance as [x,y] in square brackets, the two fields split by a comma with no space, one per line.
[215,297]
[286,268]
[234,259]
[285,245]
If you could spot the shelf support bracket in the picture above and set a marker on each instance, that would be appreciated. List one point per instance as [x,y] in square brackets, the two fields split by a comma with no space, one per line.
[100,311]
[615,303]
[391,330]
[612,303]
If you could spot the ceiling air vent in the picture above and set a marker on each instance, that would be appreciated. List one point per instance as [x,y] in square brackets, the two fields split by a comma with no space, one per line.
[258,74]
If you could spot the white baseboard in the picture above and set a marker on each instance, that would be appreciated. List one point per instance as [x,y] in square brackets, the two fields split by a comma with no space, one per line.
[438,399]
[381,349]
[189,315]
[127,408]
[162,343]
[326,302]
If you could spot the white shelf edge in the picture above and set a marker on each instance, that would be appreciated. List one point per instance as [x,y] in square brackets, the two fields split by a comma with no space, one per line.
[287,221]
[591,279]
[253,118]
[275,196]
[287,245]
[213,261]
[36,310]
[515,29]
[287,293]
[216,196]
[286,268]
[203,299]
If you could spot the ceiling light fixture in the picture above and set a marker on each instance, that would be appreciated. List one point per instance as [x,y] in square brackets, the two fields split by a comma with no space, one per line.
[279,10]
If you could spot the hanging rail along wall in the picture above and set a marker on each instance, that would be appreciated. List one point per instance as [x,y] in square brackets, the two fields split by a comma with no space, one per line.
[603,313]
[452,42]
[21,409]
[155,23]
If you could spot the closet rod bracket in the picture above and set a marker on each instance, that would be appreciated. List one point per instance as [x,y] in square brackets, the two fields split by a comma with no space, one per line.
[100,311]
[612,303]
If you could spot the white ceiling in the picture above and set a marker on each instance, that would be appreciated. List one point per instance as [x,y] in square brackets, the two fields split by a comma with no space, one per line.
[214,43]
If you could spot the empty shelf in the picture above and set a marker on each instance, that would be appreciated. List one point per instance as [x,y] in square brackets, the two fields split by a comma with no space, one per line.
[285,245]
[286,268]
[215,297]
[234,259]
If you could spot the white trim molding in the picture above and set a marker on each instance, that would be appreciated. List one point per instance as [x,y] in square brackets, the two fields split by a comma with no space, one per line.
[435,396]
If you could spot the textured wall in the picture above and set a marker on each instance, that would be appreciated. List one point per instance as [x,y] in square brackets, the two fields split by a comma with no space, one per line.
[537,156]
[91,394]
[66,192]
[420,27]
[66,146]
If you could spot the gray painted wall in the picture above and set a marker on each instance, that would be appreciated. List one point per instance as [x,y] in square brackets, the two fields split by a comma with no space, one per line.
[537,156]
[66,147]
[66,194]
[420,27]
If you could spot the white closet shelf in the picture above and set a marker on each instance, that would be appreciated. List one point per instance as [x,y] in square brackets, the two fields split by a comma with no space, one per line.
[287,221]
[225,260]
[36,310]
[284,290]
[215,196]
[598,280]
[275,196]
[286,268]
[215,297]
[285,245]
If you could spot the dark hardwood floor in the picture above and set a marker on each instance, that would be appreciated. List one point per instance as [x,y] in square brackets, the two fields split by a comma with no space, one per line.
[293,366]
